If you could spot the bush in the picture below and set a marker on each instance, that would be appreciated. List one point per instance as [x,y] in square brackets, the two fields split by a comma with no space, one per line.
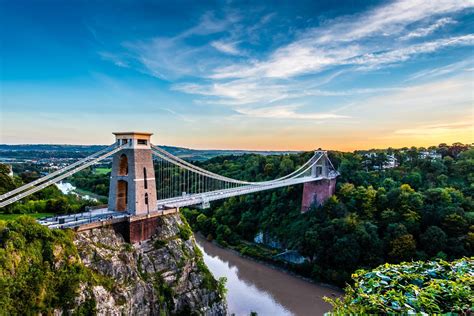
[185,232]
[158,244]
[416,287]
[40,266]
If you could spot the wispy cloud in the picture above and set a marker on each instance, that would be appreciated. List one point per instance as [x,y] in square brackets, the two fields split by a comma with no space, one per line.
[435,102]
[387,20]
[440,128]
[178,115]
[454,68]
[115,59]
[226,47]
[247,91]
[210,24]
[372,60]
[370,39]
[170,58]
[424,31]
[237,92]
[214,61]
[286,112]
[302,57]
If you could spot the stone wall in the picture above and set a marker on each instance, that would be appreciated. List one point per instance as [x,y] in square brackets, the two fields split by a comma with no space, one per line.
[316,193]
[143,227]
[134,228]
[138,159]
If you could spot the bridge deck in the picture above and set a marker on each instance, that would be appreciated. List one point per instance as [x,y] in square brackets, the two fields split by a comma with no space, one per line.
[166,206]
[203,198]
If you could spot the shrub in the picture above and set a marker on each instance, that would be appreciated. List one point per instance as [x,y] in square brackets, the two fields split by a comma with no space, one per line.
[185,232]
[416,287]
[158,244]
[40,266]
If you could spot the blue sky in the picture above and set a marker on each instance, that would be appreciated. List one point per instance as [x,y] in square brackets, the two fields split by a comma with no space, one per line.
[289,75]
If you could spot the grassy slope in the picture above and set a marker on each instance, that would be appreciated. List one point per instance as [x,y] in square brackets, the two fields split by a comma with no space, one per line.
[9,217]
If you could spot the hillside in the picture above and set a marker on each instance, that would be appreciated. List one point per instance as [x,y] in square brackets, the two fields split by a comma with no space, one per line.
[96,272]
[421,209]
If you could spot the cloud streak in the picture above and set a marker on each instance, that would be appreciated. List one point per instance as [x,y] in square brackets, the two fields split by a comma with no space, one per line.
[286,112]
[214,62]
[226,47]
[424,31]
[431,129]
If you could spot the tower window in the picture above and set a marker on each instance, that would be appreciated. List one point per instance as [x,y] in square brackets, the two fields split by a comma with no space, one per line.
[144,178]
[141,142]
[146,198]
[319,170]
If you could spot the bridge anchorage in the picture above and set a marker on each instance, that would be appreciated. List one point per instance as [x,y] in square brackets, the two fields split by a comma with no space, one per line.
[138,194]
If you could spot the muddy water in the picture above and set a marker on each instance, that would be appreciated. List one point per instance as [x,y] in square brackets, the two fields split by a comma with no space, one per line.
[252,286]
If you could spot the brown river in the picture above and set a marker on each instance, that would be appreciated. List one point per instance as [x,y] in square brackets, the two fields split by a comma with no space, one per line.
[255,287]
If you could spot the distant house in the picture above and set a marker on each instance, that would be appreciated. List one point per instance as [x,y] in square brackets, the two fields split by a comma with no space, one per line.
[392,162]
[432,155]
[370,154]
[10,170]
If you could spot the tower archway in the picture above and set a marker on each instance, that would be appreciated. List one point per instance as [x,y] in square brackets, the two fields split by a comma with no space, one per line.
[122,196]
[123,165]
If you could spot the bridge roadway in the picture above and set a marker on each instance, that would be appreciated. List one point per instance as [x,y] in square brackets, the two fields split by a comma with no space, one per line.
[203,198]
[102,214]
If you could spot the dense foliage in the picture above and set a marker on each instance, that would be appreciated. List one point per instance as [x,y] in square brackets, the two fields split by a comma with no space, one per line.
[431,287]
[419,210]
[40,269]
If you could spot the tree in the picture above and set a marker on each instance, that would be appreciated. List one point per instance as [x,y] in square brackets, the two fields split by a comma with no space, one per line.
[381,160]
[247,226]
[403,248]
[223,234]
[413,179]
[433,240]
[455,224]
[310,244]
[286,166]
[203,224]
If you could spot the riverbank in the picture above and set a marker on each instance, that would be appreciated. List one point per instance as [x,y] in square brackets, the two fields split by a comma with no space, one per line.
[263,258]
[264,288]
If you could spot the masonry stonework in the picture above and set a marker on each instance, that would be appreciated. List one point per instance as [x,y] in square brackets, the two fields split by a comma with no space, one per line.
[316,193]
[132,179]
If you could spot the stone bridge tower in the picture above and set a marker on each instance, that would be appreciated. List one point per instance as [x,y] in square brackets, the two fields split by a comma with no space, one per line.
[317,192]
[132,180]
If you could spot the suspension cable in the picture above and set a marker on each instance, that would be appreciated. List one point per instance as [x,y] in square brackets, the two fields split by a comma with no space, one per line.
[184,164]
[198,171]
[59,178]
[55,173]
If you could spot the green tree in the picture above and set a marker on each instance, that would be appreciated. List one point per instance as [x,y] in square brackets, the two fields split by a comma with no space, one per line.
[433,240]
[403,248]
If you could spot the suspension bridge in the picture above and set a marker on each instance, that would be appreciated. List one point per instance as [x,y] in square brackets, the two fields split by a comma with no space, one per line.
[138,191]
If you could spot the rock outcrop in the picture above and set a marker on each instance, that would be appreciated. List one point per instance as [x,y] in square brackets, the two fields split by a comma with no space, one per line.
[161,276]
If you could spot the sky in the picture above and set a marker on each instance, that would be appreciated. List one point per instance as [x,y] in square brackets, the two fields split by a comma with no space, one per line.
[292,75]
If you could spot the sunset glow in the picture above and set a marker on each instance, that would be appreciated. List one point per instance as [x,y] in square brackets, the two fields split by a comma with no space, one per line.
[342,76]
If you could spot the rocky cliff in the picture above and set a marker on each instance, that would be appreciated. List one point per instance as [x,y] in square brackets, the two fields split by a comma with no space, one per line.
[161,276]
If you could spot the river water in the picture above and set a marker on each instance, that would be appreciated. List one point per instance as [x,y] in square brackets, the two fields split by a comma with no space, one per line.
[255,287]
[68,188]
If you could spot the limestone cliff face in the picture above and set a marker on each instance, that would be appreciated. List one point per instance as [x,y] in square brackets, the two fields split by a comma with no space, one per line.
[161,276]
